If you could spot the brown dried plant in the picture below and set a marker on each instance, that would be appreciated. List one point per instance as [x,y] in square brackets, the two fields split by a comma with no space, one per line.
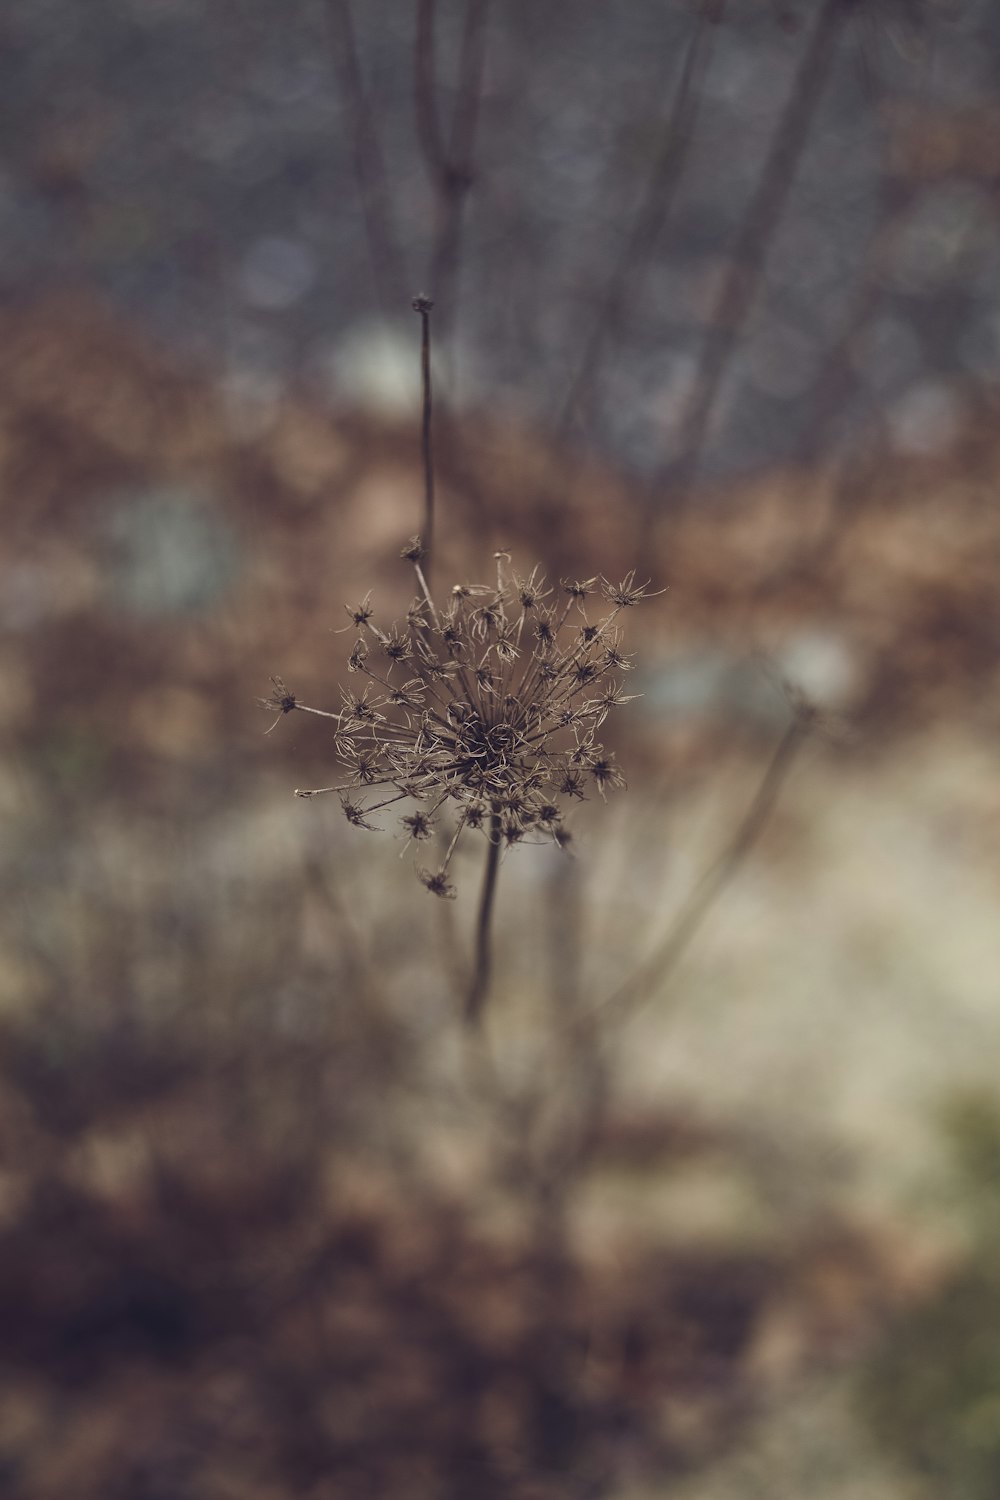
[487,705]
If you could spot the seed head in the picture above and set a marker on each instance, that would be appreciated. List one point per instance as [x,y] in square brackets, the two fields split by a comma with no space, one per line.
[355,814]
[279,701]
[437,883]
[571,785]
[531,590]
[545,633]
[361,613]
[626,593]
[498,719]
[606,774]
[395,644]
[613,658]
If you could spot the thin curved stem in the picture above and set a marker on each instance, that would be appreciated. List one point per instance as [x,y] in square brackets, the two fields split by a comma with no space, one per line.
[653,212]
[479,986]
[423,305]
[651,975]
[384,255]
[749,253]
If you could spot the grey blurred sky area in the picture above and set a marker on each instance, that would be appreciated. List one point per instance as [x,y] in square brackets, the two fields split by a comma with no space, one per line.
[265,186]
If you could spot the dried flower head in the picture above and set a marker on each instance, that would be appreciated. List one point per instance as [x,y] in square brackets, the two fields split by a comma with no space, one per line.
[626,593]
[494,712]
[279,701]
[361,613]
[437,883]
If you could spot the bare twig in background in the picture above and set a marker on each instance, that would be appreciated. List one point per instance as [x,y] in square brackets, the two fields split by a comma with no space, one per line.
[449,159]
[423,306]
[483,962]
[387,267]
[856,471]
[577,1089]
[836,380]
[656,969]
[429,132]
[465,116]
[359,972]
[653,212]
[565,923]
[750,250]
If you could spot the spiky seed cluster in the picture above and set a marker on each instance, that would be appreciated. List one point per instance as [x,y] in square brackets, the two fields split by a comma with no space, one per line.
[491,703]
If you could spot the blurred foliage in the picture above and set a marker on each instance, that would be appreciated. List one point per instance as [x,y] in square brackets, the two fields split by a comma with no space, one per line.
[595,195]
[269,1225]
[264,1229]
[268,1237]
[932,1393]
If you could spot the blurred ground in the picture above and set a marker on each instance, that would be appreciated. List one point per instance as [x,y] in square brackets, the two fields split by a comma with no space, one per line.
[266,1229]
[714,1214]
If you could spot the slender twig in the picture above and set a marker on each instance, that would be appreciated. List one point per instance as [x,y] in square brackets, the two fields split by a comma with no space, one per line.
[836,380]
[423,305]
[565,922]
[588,1042]
[855,471]
[430,136]
[369,166]
[448,158]
[483,964]
[752,243]
[465,116]
[653,211]
[658,967]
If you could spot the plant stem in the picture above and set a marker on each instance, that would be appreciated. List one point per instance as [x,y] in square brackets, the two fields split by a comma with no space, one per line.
[480,984]
[423,305]
[640,985]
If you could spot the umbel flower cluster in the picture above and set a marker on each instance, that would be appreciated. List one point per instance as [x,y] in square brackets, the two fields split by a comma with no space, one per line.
[489,705]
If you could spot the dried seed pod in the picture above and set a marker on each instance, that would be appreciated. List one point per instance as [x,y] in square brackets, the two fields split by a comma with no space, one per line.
[502,738]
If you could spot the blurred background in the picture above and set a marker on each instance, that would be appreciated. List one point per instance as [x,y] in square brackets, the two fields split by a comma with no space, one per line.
[717,296]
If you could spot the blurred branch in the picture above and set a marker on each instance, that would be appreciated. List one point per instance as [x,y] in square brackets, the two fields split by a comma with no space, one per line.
[388,270]
[483,968]
[753,241]
[836,380]
[449,160]
[658,968]
[423,306]
[576,1089]
[566,921]
[429,132]
[653,212]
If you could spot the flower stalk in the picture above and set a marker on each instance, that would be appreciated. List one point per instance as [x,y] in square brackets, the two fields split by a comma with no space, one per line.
[487,704]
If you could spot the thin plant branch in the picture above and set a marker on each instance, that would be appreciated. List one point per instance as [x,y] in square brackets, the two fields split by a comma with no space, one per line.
[749,253]
[836,380]
[385,258]
[654,972]
[652,214]
[429,132]
[587,1046]
[483,962]
[564,922]
[423,306]
[465,116]
[449,159]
